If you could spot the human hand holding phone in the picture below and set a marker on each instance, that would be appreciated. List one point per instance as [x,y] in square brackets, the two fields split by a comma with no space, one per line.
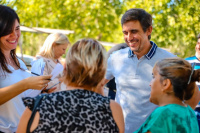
[51,88]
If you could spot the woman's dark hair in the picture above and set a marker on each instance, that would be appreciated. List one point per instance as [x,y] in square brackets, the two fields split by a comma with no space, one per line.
[7,20]
[181,75]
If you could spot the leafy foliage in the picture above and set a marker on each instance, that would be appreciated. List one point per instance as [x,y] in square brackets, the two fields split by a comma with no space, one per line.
[175,22]
[88,18]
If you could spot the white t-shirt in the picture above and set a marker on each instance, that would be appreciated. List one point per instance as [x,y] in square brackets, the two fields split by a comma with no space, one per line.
[11,111]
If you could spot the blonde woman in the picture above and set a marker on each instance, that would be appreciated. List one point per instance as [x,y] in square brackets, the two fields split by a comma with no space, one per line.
[79,109]
[53,48]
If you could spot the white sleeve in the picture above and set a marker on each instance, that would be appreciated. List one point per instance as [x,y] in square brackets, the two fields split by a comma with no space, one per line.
[31,93]
[37,66]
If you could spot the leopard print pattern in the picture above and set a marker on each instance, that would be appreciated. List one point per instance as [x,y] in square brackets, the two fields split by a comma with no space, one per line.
[74,111]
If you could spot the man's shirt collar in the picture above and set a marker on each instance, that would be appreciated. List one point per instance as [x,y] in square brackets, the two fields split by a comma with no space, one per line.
[149,55]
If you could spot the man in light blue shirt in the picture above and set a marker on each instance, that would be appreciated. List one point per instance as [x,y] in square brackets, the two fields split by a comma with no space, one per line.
[132,68]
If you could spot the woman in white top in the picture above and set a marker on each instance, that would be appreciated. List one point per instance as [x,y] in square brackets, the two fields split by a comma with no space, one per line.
[53,48]
[14,80]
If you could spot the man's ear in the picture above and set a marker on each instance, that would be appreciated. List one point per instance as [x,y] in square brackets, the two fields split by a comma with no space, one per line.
[149,30]
[167,86]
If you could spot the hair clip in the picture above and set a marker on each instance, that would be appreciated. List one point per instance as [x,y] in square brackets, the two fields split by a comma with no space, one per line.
[193,65]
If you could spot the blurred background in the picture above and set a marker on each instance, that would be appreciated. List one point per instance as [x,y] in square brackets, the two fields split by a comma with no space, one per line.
[176,23]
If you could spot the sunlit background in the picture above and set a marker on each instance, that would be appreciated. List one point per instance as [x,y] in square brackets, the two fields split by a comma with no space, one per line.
[176,23]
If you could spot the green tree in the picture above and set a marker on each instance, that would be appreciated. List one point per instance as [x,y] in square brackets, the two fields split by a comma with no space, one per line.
[175,22]
[96,19]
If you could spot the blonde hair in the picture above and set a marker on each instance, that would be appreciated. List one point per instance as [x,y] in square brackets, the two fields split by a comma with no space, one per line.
[85,64]
[179,71]
[47,48]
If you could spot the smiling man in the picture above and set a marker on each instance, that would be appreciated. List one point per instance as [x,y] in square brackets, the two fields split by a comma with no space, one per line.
[132,68]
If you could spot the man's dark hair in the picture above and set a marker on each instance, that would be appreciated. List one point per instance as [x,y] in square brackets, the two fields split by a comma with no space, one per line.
[141,15]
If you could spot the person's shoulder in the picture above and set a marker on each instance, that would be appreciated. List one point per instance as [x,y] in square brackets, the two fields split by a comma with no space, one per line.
[115,108]
[117,115]
[190,58]
[169,109]
[120,51]
[29,102]
[114,104]
[20,60]
[116,48]
[163,52]
[160,112]
[159,109]
[41,58]
[119,54]
[22,64]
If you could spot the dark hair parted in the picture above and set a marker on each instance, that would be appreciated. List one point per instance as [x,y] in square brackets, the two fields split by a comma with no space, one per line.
[7,20]
[85,64]
[136,14]
[178,71]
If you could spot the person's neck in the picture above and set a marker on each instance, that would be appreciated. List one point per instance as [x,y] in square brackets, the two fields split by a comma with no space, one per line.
[80,88]
[171,100]
[197,55]
[74,88]
[6,54]
[144,51]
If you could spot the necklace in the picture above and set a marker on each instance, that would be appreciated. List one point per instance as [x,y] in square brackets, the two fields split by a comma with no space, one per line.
[9,61]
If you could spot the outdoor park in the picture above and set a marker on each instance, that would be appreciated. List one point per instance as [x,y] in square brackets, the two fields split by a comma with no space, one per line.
[175,22]
[74,84]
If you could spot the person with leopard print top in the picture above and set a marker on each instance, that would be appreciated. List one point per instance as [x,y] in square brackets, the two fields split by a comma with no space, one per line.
[82,108]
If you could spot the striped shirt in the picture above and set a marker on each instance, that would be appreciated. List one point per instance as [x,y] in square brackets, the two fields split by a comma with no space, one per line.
[149,55]
[195,60]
